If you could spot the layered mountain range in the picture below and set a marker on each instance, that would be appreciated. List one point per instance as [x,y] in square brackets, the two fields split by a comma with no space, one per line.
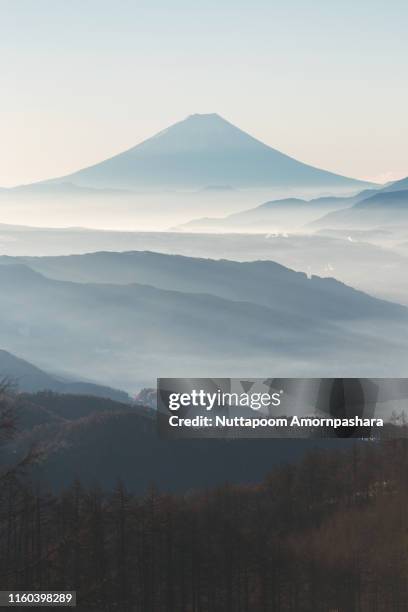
[128,318]
[383,209]
[367,209]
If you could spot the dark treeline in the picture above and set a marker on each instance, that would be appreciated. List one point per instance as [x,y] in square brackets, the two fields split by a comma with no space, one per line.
[329,533]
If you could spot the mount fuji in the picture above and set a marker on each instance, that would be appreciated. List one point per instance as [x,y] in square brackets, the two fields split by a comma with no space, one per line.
[204,151]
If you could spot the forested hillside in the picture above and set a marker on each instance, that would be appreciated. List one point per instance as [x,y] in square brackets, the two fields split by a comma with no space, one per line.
[326,533]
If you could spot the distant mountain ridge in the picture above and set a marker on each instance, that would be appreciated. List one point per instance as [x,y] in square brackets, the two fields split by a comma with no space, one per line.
[282,214]
[29,378]
[265,283]
[399,185]
[179,315]
[384,208]
[393,199]
[201,152]
[293,213]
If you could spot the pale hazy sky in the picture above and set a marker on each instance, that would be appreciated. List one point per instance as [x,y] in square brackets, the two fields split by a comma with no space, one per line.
[322,80]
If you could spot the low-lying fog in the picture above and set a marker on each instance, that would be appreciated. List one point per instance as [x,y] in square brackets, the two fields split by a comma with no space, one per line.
[127,335]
